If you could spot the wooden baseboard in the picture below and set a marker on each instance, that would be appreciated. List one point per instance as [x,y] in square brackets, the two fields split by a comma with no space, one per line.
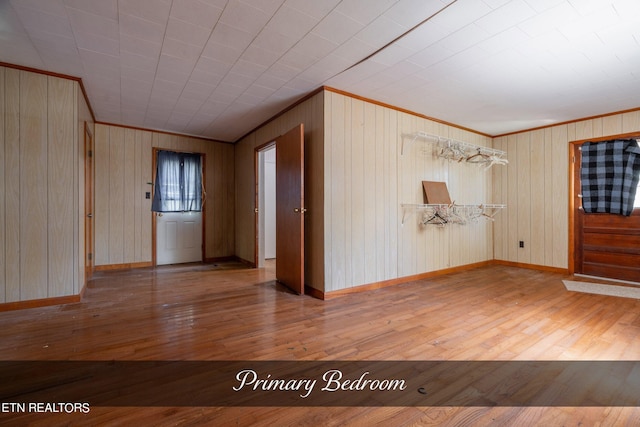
[125,266]
[399,280]
[43,302]
[221,259]
[244,261]
[531,266]
[383,284]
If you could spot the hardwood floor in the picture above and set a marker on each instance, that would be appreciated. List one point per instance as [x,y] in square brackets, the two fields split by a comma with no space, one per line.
[202,312]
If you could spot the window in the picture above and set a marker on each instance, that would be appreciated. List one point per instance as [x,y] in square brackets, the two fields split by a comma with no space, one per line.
[609,174]
[178,184]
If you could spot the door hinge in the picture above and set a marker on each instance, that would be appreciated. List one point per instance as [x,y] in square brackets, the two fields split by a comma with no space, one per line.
[90,256]
[90,153]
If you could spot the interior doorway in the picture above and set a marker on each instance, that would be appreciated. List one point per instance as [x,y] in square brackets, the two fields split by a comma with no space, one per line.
[267,204]
[289,207]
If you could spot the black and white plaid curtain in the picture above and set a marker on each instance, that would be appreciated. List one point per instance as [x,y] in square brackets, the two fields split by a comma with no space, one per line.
[609,173]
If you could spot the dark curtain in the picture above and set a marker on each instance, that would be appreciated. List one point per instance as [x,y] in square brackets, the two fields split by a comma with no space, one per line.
[178,184]
[609,174]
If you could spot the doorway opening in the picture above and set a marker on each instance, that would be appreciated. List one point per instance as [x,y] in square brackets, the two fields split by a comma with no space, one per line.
[267,205]
[289,207]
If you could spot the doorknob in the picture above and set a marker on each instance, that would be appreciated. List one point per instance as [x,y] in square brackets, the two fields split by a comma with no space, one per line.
[298,210]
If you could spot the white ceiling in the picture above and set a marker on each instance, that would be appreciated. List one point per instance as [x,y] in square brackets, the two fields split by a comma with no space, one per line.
[219,68]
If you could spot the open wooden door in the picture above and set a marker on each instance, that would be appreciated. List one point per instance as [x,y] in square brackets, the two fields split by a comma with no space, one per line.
[290,209]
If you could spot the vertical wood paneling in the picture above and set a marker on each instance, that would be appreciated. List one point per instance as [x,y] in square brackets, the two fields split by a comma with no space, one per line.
[549,196]
[327,185]
[584,129]
[33,186]
[372,168]
[12,185]
[393,207]
[596,127]
[116,195]
[559,166]
[524,196]
[357,185]
[375,114]
[130,194]
[40,237]
[348,201]
[146,166]
[408,194]
[228,207]
[499,195]
[551,166]
[339,254]
[630,122]
[424,170]
[208,220]
[538,191]
[140,186]
[217,197]
[123,173]
[512,199]
[612,125]
[3,282]
[398,249]
[61,198]
[102,194]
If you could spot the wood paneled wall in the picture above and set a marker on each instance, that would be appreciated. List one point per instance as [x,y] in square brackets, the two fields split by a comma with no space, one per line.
[535,187]
[310,113]
[367,179]
[40,160]
[123,218]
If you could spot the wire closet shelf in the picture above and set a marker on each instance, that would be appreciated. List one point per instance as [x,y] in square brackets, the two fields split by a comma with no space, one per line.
[443,214]
[455,150]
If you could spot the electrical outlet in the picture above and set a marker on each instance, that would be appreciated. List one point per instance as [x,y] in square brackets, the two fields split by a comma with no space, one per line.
[522,243]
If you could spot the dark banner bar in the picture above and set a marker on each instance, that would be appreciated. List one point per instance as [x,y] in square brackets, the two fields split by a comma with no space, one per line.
[318,383]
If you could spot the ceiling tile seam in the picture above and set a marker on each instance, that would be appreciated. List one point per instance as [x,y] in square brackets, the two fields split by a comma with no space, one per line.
[401,36]
[28,35]
[244,51]
[301,38]
[75,39]
[292,47]
[164,35]
[377,51]
[200,55]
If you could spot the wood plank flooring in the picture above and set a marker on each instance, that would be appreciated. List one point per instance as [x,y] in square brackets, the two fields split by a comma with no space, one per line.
[200,312]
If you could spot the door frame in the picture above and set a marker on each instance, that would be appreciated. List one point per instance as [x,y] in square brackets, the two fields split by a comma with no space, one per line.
[154,158]
[575,216]
[89,203]
[256,173]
